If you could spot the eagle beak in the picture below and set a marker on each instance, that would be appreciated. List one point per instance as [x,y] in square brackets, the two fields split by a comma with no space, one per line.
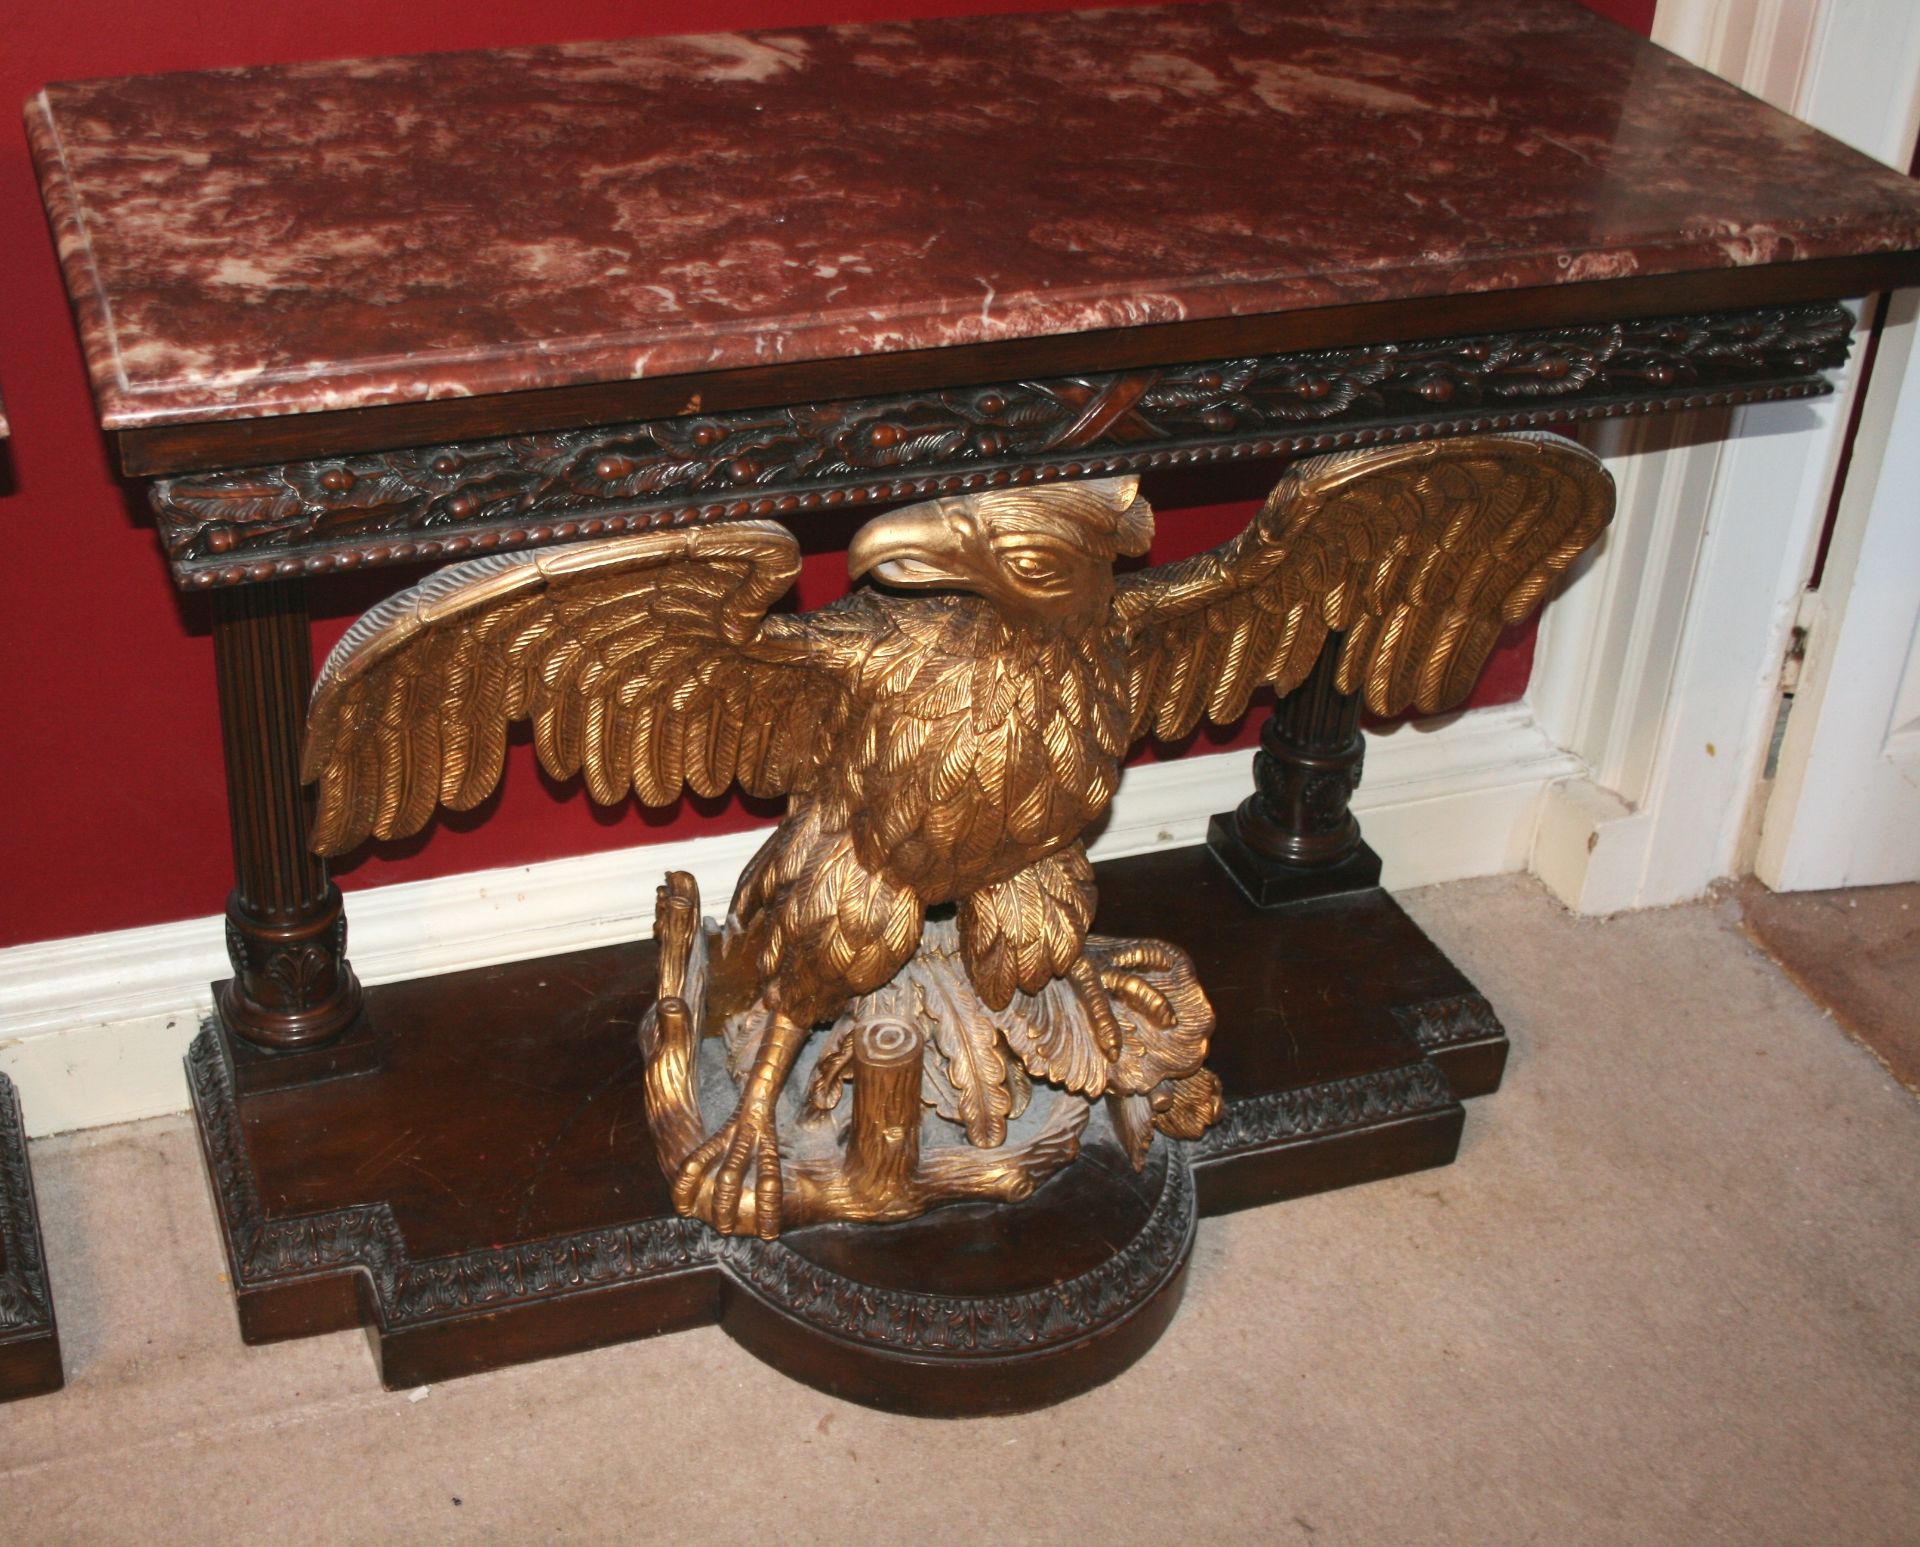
[918,547]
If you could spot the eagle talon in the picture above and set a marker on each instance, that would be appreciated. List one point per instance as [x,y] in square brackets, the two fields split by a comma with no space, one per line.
[1092,993]
[1140,996]
[1104,989]
[712,1180]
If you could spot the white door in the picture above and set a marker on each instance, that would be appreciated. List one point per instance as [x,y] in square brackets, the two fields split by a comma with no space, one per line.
[1845,805]
[1844,801]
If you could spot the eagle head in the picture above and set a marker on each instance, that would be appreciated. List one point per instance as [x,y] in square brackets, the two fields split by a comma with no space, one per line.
[1044,561]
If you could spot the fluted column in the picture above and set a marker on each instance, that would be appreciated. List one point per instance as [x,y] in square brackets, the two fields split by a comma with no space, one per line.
[286,929]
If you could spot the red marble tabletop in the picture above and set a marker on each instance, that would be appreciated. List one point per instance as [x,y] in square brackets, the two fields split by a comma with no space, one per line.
[320,236]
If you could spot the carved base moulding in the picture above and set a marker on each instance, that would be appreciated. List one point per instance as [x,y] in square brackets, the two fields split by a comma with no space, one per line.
[491,1194]
[29,1337]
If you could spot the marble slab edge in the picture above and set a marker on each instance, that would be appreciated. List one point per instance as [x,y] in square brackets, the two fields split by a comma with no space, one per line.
[125,406]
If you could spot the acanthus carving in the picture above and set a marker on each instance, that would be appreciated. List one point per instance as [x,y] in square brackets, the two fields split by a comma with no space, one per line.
[649,1250]
[1318,796]
[300,972]
[25,1302]
[1442,1023]
[1257,1121]
[288,968]
[441,501]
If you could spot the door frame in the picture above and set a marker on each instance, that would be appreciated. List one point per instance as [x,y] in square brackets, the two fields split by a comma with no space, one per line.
[1659,667]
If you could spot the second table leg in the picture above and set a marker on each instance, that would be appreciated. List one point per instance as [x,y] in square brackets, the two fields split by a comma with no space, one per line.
[292,987]
[1295,837]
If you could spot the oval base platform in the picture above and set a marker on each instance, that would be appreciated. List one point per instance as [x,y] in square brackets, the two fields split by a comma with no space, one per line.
[976,1308]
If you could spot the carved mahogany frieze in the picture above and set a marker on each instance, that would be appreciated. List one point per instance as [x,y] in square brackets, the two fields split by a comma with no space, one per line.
[1451,1022]
[264,1250]
[910,1322]
[428,502]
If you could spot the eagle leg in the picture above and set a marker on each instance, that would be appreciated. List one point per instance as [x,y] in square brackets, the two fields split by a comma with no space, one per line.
[1101,987]
[1092,993]
[747,1139]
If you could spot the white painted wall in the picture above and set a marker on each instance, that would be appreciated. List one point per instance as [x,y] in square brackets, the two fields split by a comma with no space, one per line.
[1844,809]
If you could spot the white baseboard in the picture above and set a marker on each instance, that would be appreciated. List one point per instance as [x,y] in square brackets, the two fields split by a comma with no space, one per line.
[93,1029]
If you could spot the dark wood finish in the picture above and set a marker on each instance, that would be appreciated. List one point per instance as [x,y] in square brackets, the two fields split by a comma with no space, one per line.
[1295,837]
[1309,993]
[978,1308]
[1306,771]
[179,448]
[490,1194]
[292,988]
[257,1066]
[530,488]
[29,1335]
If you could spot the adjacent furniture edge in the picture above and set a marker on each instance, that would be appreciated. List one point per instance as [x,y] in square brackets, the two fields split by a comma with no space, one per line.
[436,501]
[29,1338]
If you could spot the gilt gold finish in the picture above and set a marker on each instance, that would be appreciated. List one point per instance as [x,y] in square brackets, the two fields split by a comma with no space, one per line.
[941,749]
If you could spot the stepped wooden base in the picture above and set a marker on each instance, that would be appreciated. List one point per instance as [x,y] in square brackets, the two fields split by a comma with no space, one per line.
[29,1337]
[489,1195]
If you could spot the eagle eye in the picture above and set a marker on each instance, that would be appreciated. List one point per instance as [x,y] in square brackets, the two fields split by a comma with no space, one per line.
[1029,564]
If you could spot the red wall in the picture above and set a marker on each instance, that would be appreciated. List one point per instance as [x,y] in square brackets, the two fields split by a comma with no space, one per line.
[111,797]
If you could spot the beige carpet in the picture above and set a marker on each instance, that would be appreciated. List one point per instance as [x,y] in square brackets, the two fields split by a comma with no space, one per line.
[1666,1295]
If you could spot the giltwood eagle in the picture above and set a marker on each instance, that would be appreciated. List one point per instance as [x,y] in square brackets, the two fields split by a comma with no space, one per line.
[945,747]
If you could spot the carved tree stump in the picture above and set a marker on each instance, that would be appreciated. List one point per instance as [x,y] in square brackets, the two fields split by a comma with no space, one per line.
[883,1150]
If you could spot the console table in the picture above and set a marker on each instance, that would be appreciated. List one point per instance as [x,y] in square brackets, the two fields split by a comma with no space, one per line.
[355,314]
[29,1335]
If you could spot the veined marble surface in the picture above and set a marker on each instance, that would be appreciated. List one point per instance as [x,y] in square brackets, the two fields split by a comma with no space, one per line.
[322,236]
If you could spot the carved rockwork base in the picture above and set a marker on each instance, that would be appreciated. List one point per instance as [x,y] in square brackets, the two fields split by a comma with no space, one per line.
[29,1338]
[490,1193]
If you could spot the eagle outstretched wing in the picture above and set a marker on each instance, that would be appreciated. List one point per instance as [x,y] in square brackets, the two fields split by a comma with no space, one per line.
[645,662]
[1418,555]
